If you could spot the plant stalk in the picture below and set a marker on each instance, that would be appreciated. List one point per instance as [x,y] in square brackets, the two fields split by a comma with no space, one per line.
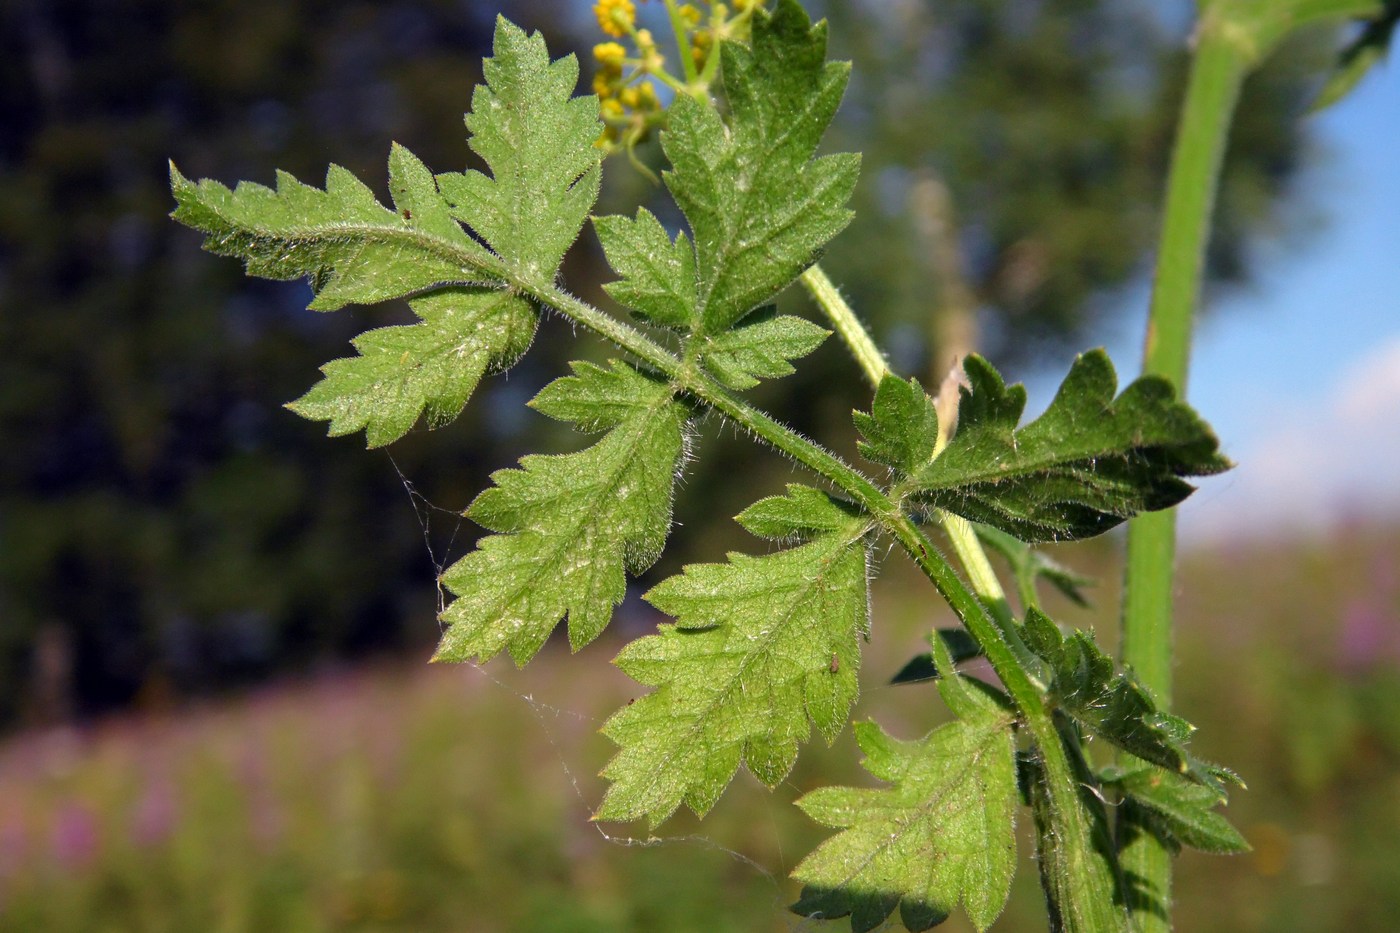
[1092,886]
[1218,69]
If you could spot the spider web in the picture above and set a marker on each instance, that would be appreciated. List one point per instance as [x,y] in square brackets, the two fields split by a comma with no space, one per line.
[556,722]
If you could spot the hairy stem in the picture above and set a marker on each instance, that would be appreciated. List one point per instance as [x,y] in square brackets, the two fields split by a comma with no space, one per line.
[1218,69]
[852,333]
[959,531]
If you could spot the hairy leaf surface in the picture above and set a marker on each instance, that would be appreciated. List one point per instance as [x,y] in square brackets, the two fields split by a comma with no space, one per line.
[943,833]
[762,648]
[1112,704]
[901,430]
[760,348]
[569,525]
[1088,463]
[538,144]
[760,207]
[1182,811]
[427,368]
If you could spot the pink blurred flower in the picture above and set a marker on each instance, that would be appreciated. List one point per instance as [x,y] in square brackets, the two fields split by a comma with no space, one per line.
[75,836]
[156,814]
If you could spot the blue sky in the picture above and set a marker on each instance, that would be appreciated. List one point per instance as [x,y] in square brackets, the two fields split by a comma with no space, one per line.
[1300,373]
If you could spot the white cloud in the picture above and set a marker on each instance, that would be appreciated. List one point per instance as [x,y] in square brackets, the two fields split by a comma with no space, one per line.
[1334,456]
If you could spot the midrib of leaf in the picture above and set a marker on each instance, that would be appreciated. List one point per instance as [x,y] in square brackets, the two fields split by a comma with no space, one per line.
[762,646]
[388,235]
[921,812]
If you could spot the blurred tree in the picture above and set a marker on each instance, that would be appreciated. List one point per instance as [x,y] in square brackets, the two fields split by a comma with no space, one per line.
[160,520]
[1015,151]
[163,526]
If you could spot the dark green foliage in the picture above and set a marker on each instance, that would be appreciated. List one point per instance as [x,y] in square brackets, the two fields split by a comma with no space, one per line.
[1112,705]
[901,430]
[1181,810]
[1088,463]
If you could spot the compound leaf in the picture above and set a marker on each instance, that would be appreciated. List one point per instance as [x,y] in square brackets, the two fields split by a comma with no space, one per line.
[1088,463]
[760,348]
[1113,705]
[568,525]
[943,833]
[762,648]
[433,366]
[537,142]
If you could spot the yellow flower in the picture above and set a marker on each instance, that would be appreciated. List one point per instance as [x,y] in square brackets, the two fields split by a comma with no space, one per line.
[612,110]
[690,14]
[603,85]
[610,56]
[615,17]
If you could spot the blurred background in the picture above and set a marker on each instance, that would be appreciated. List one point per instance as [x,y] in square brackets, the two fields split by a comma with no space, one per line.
[214,708]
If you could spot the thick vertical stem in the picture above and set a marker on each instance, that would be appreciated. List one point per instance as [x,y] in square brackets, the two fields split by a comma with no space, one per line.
[1218,69]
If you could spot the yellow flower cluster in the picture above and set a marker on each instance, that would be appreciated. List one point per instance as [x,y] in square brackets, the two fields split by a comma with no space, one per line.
[623,81]
[616,17]
[629,104]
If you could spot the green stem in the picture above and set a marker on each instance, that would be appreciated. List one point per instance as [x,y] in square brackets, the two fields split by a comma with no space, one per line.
[848,326]
[1092,885]
[679,27]
[1218,69]
[872,363]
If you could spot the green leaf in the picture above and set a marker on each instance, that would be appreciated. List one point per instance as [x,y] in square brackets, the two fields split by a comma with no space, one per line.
[658,281]
[1088,463]
[762,648]
[433,366]
[943,833]
[759,205]
[1113,705]
[1183,810]
[901,430]
[760,348]
[352,248]
[569,524]
[1360,56]
[537,142]
[804,513]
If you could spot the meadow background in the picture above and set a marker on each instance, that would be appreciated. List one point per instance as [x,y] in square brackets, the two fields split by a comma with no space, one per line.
[215,711]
